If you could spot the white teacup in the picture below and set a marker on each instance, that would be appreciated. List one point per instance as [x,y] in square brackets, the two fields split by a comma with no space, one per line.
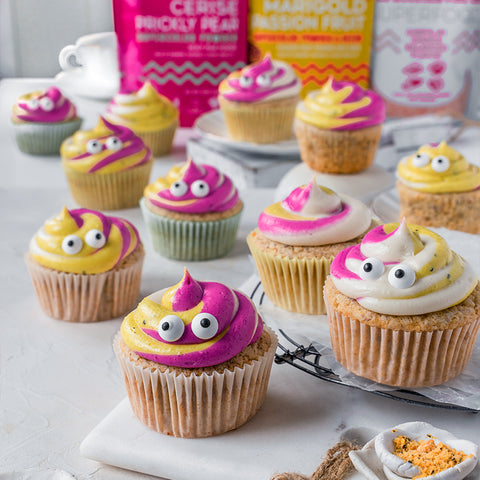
[94,56]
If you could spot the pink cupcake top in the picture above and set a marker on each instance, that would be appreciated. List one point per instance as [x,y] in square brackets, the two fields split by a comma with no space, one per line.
[193,188]
[49,106]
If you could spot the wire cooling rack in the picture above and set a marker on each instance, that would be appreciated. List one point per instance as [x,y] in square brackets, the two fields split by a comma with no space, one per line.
[308,359]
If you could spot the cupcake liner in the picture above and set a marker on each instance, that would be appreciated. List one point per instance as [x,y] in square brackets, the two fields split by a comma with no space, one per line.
[200,404]
[159,141]
[258,122]
[337,151]
[111,191]
[401,358]
[188,239]
[44,138]
[457,211]
[82,298]
[294,284]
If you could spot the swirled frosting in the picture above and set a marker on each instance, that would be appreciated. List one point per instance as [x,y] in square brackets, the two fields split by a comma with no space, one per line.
[341,106]
[438,169]
[193,188]
[83,241]
[401,269]
[192,324]
[314,215]
[145,110]
[49,106]
[266,80]
[107,148]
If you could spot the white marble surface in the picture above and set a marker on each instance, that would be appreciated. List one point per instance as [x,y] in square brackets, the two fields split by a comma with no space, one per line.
[59,380]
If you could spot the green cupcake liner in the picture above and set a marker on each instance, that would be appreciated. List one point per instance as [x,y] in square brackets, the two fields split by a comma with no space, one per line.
[191,240]
[45,138]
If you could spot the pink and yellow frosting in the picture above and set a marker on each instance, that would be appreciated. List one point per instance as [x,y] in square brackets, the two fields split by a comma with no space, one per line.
[401,269]
[341,106]
[438,168]
[193,324]
[83,241]
[266,80]
[314,215]
[192,188]
[49,106]
[105,149]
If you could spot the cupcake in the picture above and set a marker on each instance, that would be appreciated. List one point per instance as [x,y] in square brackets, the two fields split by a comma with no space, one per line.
[439,188]
[338,127]
[193,213]
[107,167]
[153,117]
[85,266]
[297,239]
[42,120]
[403,308]
[258,102]
[196,359]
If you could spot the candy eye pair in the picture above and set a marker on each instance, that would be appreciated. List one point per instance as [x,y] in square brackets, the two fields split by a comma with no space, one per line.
[96,146]
[439,163]
[400,276]
[44,103]
[262,81]
[199,188]
[204,326]
[72,244]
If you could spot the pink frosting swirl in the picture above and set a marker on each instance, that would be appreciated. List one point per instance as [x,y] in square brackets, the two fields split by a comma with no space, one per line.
[193,188]
[50,106]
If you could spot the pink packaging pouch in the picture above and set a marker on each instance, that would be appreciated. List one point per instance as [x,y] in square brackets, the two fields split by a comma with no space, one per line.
[426,56]
[184,47]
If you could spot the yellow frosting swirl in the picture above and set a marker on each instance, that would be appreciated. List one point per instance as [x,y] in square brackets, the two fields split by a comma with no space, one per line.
[143,111]
[83,241]
[438,169]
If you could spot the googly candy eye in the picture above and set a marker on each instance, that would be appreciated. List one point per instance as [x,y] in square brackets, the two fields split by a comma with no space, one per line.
[94,146]
[263,80]
[33,103]
[371,269]
[72,244]
[179,188]
[200,188]
[420,160]
[204,326]
[171,328]
[401,276]
[113,143]
[46,104]
[95,238]
[440,163]
[245,82]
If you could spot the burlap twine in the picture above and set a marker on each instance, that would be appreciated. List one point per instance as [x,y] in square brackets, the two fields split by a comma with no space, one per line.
[336,466]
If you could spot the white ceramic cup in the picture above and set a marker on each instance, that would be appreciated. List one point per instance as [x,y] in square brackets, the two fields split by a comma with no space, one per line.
[94,56]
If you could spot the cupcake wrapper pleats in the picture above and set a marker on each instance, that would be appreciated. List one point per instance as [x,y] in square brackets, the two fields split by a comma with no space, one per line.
[160,141]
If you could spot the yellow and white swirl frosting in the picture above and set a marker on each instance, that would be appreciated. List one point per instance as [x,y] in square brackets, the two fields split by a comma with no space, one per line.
[83,241]
[438,169]
[145,110]
[401,269]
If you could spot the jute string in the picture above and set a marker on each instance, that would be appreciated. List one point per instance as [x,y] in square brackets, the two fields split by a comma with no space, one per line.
[336,466]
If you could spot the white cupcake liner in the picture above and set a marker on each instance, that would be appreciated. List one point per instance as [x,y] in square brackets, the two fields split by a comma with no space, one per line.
[44,138]
[197,405]
[191,240]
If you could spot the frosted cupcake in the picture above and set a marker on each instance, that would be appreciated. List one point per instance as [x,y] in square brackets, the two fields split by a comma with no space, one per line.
[439,188]
[192,213]
[195,358]
[258,102]
[86,266]
[297,239]
[107,167]
[403,308]
[42,120]
[338,127]
[152,117]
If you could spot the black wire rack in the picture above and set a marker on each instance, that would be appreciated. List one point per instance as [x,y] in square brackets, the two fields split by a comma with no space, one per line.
[308,360]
